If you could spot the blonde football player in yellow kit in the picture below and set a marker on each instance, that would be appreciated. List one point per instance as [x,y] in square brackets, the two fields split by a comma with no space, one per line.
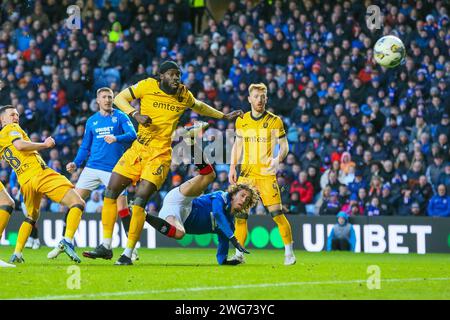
[257,133]
[147,161]
[6,209]
[35,180]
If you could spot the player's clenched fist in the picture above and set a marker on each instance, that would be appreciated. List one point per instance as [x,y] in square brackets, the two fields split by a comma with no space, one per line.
[71,167]
[142,119]
[49,142]
[110,139]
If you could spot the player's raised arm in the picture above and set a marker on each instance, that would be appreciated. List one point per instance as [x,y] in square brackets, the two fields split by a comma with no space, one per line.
[22,145]
[123,99]
[223,225]
[129,134]
[205,110]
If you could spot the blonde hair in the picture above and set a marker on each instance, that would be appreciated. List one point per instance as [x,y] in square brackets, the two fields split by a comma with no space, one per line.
[257,86]
[103,89]
[254,194]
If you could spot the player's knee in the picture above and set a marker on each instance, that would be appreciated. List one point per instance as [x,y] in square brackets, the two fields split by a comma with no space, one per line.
[145,190]
[241,217]
[140,201]
[80,204]
[276,213]
[111,193]
[8,207]
[30,220]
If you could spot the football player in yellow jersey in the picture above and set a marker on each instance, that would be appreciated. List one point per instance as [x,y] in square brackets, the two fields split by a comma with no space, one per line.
[35,180]
[6,209]
[257,133]
[147,161]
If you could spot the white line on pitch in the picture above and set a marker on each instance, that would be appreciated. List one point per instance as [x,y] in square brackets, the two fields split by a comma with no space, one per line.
[195,289]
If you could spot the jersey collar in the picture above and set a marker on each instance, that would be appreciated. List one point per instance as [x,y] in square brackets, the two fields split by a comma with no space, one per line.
[262,116]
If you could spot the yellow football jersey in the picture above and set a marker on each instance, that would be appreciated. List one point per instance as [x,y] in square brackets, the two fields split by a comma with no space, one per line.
[259,137]
[25,163]
[164,110]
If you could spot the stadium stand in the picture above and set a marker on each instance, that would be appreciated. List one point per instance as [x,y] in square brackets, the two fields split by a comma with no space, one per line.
[364,140]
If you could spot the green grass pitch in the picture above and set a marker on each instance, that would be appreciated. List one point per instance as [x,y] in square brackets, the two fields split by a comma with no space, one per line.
[193,274]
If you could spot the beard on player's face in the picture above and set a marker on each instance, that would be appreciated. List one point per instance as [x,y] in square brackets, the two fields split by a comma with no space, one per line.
[170,81]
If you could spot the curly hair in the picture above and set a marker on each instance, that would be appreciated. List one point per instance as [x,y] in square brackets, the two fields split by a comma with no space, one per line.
[254,194]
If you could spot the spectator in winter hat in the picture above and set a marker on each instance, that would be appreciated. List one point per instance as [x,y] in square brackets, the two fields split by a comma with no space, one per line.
[346,162]
[342,236]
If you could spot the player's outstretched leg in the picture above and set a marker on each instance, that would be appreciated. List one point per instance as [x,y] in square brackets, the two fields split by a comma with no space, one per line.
[143,193]
[84,194]
[76,206]
[116,185]
[171,226]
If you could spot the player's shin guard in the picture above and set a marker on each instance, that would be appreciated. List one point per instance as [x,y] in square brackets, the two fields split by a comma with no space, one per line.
[125,216]
[5,214]
[24,233]
[284,227]
[109,215]
[73,220]
[136,225]
[161,225]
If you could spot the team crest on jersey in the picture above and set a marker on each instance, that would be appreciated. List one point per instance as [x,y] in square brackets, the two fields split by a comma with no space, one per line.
[114,119]
[14,133]
[265,125]
[158,171]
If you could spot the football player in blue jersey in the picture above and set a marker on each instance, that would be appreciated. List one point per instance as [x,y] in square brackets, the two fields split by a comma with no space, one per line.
[108,133]
[186,211]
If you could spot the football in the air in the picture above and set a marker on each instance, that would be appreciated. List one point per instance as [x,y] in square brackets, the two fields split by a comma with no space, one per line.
[389,51]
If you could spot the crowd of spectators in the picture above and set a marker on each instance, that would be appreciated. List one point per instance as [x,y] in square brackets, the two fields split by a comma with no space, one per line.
[363,139]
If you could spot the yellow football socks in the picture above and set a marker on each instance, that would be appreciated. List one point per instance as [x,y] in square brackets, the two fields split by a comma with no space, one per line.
[285,228]
[241,230]
[24,233]
[73,220]
[109,216]
[4,219]
[136,225]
